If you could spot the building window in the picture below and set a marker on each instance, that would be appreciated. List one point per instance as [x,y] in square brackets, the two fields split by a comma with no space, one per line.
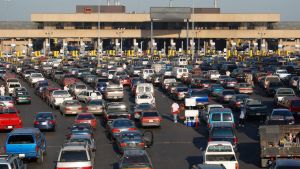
[59,26]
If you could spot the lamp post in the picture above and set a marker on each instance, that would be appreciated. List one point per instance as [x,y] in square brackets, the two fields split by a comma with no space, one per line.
[142,46]
[120,33]
[198,39]
[193,27]
[261,35]
[99,44]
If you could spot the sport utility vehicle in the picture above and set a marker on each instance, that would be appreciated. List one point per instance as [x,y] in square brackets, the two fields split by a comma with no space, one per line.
[75,155]
[11,162]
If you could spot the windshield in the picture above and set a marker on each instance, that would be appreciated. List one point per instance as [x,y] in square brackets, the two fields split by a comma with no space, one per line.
[96,102]
[131,136]
[14,85]
[73,156]
[219,148]
[36,75]
[44,116]
[231,92]
[144,96]
[282,113]
[20,139]
[3,166]
[254,102]
[182,89]
[8,110]
[286,92]
[227,117]
[170,80]
[22,93]
[60,92]
[150,114]
[72,103]
[102,80]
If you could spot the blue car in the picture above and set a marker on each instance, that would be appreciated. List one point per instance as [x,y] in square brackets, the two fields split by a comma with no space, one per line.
[44,121]
[201,96]
[28,143]
[40,86]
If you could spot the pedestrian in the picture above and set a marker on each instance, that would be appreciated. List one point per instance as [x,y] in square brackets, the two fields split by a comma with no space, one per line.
[175,111]
[2,90]
[227,73]
[242,115]
[66,87]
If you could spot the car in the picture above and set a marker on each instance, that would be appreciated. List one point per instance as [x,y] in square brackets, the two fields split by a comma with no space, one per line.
[286,164]
[180,93]
[28,143]
[133,140]
[292,103]
[10,118]
[220,152]
[116,110]
[220,116]
[244,88]
[135,159]
[40,86]
[281,93]
[255,107]
[236,101]
[80,129]
[88,95]
[58,97]
[44,121]
[117,126]
[71,107]
[75,155]
[89,78]
[150,118]
[205,113]
[86,118]
[272,87]
[34,78]
[11,86]
[223,133]
[142,107]
[114,92]
[97,107]
[77,88]
[280,116]
[83,139]
[8,101]
[11,162]
[21,97]
[200,95]
[226,95]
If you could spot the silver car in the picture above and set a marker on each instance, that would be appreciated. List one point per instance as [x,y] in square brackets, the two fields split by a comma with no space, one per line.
[71,107]
[88,139]
[96,106]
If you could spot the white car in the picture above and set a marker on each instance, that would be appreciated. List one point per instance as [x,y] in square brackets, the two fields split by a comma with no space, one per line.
[282,73]
[85,158]
[220,152]
[77,88]
[11,86]
[35,77]
[57,97]
[87,95]
[213,74]
[145,98]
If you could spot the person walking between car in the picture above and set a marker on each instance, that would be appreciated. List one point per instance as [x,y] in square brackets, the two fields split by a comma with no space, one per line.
[227,73]
[175,111]
[242,115]
[2,90]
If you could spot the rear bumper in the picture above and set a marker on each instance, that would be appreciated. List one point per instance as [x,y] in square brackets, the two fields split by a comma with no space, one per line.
[148,124]
[10,127]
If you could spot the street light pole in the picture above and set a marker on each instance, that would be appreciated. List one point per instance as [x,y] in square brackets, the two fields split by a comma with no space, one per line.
[98,40]
[120,32]
[193,27]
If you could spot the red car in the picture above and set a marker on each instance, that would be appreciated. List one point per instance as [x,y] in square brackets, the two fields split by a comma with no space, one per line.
[9,118]
[150,118]
[86,118]
[69,79]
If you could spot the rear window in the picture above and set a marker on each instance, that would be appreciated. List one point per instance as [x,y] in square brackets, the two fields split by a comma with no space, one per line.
[85,117]
[14,85]
[216,117]
[73,156]
[220,158]
[72,103]
[44,116]
[182,89]
[96,102]
[4,166]
[8,110]
[123,123]
[227,117]
[20,139]
[222,132]
[150,114]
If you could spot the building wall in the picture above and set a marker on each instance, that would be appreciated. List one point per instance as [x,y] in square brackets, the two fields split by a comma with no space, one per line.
[247,34]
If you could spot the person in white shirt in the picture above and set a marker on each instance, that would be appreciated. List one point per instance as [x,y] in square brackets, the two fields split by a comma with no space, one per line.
[175,111]
[2,90]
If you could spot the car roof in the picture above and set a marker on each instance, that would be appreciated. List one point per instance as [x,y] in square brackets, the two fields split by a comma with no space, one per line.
[210,166]
[221,110]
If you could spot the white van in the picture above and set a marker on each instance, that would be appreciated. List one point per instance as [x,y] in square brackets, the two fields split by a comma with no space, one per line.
[180,61]
[144,88]
[220,152]
[178,72]
[147,73]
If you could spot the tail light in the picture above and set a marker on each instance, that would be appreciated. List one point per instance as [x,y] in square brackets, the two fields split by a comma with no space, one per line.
[67,109]
[142,144]
[107,117]
[86,108]
[238,103]
[235,140]
[209,139]
[11,102]
[236,166]
[129,116]
[80,108]
[208,125]
[52,122]
[36,122]
[36,148]
[123,144]
[115,131]
[132,129]
[144,120]
[4,149]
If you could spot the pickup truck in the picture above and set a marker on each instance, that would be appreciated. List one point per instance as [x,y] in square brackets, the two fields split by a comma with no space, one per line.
[275,143]
[114,92]
[9,118]
[282,73]
[57,97]
[281,93]
[292,103]
[29,143]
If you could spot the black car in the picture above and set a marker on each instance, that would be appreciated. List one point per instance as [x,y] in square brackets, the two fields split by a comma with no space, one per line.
[286,164]
[272,87]
[255,107]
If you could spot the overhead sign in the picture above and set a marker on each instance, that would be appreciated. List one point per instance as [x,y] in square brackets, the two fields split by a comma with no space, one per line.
[170,13]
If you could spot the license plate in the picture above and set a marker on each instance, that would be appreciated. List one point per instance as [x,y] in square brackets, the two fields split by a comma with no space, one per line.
[9,127]
[21,155]
[151,121]
[44,123]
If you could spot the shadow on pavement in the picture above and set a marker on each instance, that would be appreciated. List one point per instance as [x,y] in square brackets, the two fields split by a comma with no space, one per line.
[193,160]
[250,153]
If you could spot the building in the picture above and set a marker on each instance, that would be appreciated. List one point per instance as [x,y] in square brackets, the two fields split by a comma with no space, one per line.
[104,27]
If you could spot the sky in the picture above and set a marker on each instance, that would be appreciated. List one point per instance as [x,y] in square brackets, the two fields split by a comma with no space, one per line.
[20,10]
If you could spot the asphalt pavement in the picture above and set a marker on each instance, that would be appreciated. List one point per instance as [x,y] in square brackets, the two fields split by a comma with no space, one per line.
[175,145]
